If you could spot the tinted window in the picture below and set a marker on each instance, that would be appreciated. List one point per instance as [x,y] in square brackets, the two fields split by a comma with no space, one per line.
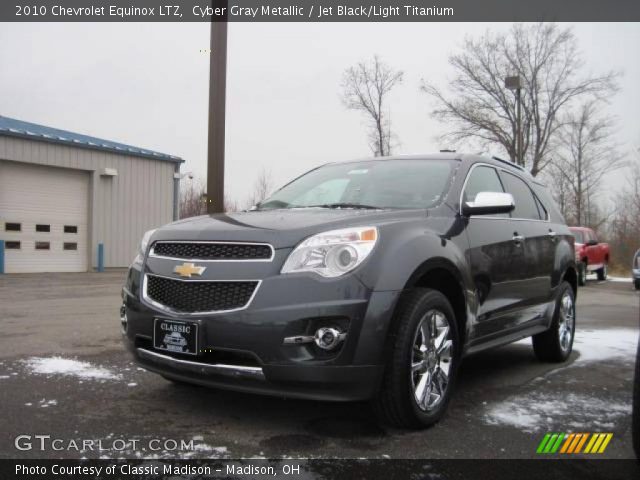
[481,179]
[42,246]
[378,183]
[70,246]
[70,229]
[330,191]
[43,228]
[12,245]
[12,227]
[522,196]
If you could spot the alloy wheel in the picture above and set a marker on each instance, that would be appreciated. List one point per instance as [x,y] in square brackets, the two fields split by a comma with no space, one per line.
[431,360]
[566,321]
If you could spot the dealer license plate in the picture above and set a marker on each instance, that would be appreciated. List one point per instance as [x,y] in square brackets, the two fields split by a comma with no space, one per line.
[175,336]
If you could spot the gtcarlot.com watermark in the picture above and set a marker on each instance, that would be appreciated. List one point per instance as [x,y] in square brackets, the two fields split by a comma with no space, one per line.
[44,443]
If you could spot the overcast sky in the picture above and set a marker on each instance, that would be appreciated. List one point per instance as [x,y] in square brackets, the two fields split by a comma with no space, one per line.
[147,85]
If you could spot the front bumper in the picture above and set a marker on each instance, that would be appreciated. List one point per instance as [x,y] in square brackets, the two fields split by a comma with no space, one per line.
[248,350]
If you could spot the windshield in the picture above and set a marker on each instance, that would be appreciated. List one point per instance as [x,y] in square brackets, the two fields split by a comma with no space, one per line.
[372,184]
[578,235]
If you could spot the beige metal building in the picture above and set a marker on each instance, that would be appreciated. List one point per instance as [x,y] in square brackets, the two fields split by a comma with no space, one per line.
[62,194]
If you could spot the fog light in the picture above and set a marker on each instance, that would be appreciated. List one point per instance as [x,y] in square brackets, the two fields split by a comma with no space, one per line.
[328,338]
[123,319]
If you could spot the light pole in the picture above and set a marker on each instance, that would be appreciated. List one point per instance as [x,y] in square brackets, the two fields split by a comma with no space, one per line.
[515,83]
[217,101]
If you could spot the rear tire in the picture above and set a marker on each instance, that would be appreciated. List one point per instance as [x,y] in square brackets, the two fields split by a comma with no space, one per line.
[582,274]
[422,363]
[602,273]
[636,284]
[555,344]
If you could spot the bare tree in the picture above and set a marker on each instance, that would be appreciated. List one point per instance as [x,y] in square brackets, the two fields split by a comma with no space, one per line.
[262,187]
[624,229]
[366,88]
[193,200]
[560,190]
[586,153]
[478,109]
[230,205]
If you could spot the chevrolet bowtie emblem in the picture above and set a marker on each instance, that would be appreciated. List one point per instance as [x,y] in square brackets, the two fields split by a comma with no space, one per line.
[188,269]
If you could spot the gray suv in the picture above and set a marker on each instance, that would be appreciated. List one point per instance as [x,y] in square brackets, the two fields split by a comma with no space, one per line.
[360,280]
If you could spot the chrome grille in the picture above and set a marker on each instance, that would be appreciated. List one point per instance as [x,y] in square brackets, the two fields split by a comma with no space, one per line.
[198,296]
[213,250]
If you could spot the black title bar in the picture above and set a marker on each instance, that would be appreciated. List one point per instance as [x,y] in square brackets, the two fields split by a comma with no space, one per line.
[319,10]
[321,469]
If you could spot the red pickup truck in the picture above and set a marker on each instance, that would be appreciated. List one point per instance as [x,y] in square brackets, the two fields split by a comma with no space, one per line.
[591,255]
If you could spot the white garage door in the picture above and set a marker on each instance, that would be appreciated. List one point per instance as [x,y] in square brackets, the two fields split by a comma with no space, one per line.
[43,218]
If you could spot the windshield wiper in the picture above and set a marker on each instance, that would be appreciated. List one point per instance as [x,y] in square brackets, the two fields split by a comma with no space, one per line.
[345,205]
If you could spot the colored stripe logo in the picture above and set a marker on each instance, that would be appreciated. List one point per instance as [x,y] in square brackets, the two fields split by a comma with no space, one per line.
[569,443]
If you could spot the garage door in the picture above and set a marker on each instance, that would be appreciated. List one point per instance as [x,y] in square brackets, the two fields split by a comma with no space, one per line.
[43,218]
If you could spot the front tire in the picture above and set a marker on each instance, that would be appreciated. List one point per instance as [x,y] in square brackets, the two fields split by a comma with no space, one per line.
[555,344]
[636,284]
[602,273]
[582,274]
[423,361]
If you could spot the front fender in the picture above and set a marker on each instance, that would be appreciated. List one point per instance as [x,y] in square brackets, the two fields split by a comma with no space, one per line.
[403,253]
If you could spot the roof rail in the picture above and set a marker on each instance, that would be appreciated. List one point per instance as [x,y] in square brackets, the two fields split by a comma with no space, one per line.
[510,163]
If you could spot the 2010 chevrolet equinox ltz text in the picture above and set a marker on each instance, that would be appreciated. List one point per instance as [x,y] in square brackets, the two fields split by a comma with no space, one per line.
[359,280]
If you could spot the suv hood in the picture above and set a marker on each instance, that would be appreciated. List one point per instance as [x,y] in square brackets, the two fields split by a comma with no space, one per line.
[280,228]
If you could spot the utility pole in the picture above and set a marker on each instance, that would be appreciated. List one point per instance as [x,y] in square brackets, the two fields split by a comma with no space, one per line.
[217,102]
[515,83]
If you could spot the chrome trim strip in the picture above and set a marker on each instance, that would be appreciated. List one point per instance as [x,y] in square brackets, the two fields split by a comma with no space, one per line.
[235,371]
[164,308]
[217,242]
[496,167]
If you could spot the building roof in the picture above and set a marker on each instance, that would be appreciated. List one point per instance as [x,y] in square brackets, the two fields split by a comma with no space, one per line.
[32,131]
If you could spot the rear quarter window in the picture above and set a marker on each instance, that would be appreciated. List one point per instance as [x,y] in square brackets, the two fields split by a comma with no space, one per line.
[552,209]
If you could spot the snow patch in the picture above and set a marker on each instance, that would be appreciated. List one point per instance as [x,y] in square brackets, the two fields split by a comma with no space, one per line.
[537,411]
[606,344]
[69,367]
[619,279]
[3,377]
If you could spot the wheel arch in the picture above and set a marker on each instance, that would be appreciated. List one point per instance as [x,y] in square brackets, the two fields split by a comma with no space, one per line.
[570,275]
[442,275]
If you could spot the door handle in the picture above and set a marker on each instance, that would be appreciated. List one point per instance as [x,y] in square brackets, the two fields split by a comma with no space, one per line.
[517,239]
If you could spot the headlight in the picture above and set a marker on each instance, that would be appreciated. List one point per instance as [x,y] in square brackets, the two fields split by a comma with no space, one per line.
[142,249]
[333,253]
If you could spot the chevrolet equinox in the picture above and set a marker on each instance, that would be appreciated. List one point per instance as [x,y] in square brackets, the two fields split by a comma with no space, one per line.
[360,280]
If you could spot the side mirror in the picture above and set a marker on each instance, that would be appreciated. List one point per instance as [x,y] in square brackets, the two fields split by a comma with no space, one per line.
[592,243]
[488,203]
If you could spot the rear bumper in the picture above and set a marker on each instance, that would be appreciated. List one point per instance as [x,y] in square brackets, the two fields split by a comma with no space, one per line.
[279,310]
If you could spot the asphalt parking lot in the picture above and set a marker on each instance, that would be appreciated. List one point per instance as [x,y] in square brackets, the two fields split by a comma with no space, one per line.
[64,373]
